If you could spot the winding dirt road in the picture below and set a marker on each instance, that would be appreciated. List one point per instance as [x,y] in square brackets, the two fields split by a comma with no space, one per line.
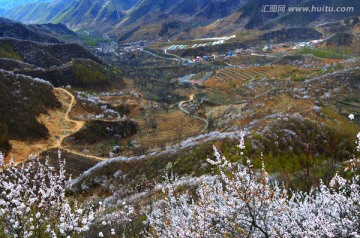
[76,128]
[60,127]
[181,107]
[78,124]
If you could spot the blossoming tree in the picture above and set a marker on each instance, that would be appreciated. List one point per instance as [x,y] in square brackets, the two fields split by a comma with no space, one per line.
[33,202]
[243,202]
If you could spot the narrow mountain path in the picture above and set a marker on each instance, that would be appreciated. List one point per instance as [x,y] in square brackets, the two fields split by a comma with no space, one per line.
[158,56]
[83,154]
[60,127]
[78,124]
[76,128]
[182,108]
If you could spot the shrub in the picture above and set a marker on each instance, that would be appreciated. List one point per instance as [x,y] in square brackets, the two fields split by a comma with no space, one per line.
[33,203]
[85,75]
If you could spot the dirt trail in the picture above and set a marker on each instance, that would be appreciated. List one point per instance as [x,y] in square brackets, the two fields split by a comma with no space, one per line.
[83,154]
[191,98]
[58,123]
[77,126]
[176,56]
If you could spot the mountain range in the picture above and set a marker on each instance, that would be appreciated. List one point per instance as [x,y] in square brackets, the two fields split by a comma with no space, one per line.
[74,13]
[131,20]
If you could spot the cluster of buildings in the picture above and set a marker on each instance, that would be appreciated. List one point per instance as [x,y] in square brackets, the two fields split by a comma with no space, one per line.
[212,41]
[114,48]
[307,44]
[182,47]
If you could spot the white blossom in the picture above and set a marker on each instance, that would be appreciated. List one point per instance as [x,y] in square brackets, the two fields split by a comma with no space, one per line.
[33,197]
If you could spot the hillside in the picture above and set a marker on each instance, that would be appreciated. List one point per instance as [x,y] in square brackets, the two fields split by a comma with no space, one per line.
[60,64]
[169,18]
[32,60]
[23,99]
[45,55]
[75,13]
[179,118]
[133,20]
[19,31]
[81,73]
[38,51]
[291,19]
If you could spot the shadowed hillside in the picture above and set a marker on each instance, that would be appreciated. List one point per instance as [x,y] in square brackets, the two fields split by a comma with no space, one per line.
[22,99]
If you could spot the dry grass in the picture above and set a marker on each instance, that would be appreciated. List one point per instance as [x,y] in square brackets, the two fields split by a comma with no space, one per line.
[185,92]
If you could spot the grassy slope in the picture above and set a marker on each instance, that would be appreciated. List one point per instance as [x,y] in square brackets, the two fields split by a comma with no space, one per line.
[7,51]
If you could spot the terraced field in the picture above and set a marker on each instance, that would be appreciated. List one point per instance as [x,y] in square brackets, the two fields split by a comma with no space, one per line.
[355,46]
[230,77]
[287,104]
